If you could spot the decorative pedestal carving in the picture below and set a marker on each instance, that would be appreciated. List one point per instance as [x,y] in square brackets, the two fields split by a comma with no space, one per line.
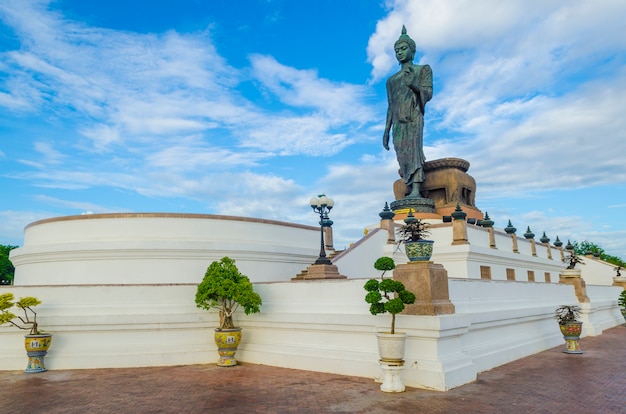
[391,376]
[446,183]
[572,277]
[320,271]
[417,204]
[429,282]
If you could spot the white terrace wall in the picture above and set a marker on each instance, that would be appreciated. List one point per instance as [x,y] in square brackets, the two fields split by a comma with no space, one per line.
[597,272]
[466,260]
[313,325]
[138,248]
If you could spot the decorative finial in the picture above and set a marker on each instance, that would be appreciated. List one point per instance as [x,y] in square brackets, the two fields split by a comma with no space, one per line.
[487,222]
[544,238]
[557,242]
[386,214]
[410,218]
[458,213]
[529,234]
[509,229]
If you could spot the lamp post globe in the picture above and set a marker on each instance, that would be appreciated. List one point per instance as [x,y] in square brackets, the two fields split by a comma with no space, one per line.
[322,206]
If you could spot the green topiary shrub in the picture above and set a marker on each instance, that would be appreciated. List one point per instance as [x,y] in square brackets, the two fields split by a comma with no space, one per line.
[387,295]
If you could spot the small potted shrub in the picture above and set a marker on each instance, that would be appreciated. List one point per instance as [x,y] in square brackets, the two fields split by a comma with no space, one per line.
[36,342]
[571,327]
[413,234]
[224,288]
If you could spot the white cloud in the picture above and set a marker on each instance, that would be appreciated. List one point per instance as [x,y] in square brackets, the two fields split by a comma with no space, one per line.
[78,206]
[291,135]
[339,102]
[50,154]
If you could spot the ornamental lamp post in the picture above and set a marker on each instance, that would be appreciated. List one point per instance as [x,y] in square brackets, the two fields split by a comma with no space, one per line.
[322,205]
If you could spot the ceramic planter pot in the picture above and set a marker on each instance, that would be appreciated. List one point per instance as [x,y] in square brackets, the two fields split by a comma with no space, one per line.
[36,349]
[420,250]
[227,341]
[391,346]
[571,332]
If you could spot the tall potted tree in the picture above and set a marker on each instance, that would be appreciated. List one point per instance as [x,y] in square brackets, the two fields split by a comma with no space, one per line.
[36,342]
[224,288]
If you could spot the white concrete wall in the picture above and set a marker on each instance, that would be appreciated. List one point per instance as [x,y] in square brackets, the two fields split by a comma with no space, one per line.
[314,325]
[158,248]
[358,260]
[597,272]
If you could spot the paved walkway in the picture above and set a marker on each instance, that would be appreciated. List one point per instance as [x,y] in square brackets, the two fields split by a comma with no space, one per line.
[550,382]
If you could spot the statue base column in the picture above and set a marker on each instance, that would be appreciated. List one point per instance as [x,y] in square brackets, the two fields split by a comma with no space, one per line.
[417,204]
[429,282]
[320,271]
[572,277]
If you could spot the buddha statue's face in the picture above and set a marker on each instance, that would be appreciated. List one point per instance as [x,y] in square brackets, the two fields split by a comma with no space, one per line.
[403,52]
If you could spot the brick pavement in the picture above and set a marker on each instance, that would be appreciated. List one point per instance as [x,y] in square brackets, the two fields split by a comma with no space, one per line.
[549,382]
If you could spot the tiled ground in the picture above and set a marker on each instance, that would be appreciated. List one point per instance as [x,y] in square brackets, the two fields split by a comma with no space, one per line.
[550,382]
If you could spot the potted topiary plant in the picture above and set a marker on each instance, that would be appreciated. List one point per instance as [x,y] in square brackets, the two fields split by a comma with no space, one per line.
[388,296]
[224,288]
[571,328]
[413,234]
[36,342]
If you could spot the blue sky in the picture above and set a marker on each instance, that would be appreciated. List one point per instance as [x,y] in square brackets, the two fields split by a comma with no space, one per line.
[250,108]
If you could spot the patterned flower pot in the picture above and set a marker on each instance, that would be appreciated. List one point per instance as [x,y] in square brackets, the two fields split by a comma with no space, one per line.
[571,332]
[36,349]
[227,341]
[420,250]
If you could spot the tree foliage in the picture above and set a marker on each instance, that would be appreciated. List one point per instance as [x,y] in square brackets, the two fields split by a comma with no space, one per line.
[26,304]
[585,247]
[224,288]
[387,295]
[7,270]
[622,300]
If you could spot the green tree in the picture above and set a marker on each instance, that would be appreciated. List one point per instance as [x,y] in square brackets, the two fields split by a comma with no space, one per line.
[7,271]
[586,247]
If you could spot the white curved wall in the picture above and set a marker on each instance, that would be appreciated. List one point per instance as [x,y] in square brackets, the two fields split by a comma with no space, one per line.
[146,248]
